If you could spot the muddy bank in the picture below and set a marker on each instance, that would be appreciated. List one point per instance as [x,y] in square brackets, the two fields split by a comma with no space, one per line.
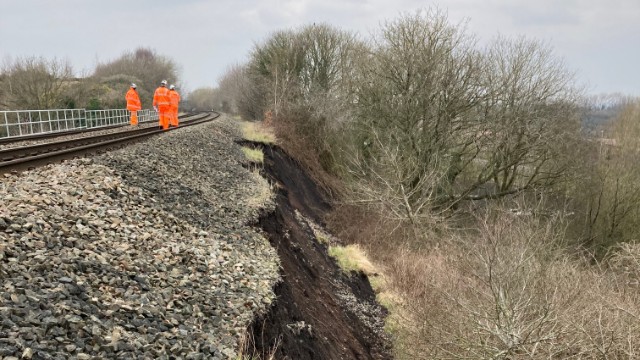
[320,313]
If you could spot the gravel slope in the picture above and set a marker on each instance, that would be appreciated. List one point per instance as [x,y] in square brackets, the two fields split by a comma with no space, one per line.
[142,253]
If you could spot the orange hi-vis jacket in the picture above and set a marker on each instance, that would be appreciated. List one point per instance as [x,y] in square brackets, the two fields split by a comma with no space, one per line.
[174,97]
[133,100]
[161,98]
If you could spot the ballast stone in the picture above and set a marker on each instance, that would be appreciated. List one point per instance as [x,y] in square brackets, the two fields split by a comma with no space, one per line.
[96,263]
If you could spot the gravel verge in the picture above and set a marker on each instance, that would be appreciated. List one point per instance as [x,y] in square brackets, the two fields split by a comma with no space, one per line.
[141,253]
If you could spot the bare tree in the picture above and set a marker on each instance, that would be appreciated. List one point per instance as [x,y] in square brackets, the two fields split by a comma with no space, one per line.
[238,92]
[380,187]
[305,79]
[278,62]
[329,59]
[532,116]
[250,91]
[298,66]
[418,92]
[143,66]
[483,124]
[36,83]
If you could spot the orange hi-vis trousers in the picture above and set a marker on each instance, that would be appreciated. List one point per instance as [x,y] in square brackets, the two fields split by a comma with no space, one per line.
[134,118]
[173,120]
[164,116]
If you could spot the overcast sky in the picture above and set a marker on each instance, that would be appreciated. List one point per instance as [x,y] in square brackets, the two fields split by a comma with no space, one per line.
[598,39]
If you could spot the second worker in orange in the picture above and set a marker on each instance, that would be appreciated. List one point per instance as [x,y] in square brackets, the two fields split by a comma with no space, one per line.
[162,104]
[174,98]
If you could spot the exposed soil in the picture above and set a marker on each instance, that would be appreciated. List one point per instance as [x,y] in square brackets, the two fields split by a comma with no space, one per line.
[320,312]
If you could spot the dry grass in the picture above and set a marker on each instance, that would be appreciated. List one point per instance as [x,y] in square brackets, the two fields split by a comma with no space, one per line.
[625,263]
[249,352]
[508,294]
[255,156]
[508,291]
[353,258]
[257,132]
[262,193]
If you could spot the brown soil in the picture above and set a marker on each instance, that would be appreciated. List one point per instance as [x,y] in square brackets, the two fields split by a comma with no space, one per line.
[320,312]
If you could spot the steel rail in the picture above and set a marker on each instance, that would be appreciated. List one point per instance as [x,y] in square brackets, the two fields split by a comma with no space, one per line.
[21,151]
[16,139]
[24,158]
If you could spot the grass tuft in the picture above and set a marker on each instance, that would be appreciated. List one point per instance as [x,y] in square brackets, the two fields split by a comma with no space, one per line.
[254,155]
[352,258]
[256,132]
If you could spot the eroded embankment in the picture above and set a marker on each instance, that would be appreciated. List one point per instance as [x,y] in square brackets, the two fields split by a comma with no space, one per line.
[320,313]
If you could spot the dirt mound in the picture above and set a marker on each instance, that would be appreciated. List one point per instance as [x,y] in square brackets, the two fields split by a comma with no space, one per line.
[320,313]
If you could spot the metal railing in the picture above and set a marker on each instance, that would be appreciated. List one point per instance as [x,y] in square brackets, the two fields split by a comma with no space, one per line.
[29,122]
[109,117]
[147,115]
[19,123]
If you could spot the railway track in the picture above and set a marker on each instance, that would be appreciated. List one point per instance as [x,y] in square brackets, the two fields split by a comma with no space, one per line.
[28,157]
[49,135]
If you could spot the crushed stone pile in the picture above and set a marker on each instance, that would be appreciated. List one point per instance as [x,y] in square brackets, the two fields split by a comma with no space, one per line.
[142,253]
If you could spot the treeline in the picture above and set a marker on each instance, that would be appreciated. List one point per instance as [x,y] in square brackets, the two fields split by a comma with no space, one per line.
[466,170]
[418,121]
[33,83]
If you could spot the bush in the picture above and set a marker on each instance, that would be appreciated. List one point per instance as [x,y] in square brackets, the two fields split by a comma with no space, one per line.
[508,291]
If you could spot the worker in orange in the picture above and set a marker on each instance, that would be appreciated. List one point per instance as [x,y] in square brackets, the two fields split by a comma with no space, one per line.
[162,104]
[133,104]
[175,100]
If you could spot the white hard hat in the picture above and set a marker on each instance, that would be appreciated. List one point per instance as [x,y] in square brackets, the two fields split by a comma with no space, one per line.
[133,85]
[163,82]
[172,87]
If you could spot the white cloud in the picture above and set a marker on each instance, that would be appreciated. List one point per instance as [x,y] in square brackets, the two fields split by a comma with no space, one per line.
[599,38]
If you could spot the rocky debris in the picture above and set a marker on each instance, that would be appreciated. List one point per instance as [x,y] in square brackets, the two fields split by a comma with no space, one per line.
[204,195]
[142,253]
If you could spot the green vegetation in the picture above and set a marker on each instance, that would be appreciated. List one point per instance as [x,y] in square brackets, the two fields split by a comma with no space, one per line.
[253,155]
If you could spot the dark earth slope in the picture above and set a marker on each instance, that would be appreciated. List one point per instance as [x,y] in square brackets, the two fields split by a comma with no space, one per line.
[320,313]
